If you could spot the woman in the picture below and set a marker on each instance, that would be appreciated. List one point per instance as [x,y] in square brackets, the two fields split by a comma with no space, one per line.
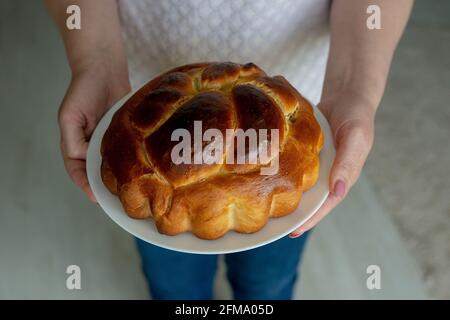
[291,37]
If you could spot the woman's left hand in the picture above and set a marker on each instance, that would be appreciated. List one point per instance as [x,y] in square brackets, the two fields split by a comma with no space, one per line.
[351,119]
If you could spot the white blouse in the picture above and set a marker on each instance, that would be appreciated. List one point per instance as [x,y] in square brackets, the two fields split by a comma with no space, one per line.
[287,37]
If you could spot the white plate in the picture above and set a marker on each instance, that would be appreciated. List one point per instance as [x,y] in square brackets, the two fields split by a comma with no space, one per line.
[232,242]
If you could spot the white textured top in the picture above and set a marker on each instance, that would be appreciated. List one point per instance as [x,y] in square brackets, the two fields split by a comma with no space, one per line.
[287,37]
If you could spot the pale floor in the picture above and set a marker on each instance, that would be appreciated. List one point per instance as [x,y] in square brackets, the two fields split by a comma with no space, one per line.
[409,165]
[46,224]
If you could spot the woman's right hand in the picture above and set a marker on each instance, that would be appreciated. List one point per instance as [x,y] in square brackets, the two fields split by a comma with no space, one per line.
[98,61]
[92,91]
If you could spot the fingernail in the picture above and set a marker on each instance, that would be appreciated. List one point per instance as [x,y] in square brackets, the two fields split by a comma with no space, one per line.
[295,235]
[339,188]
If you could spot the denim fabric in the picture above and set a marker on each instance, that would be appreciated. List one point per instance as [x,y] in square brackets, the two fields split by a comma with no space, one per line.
[267,272]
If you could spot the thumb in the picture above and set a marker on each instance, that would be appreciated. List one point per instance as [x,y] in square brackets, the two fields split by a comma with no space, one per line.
[74,142]
[353,143]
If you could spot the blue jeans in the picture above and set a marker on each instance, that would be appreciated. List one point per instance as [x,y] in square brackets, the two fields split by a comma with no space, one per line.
[267,272]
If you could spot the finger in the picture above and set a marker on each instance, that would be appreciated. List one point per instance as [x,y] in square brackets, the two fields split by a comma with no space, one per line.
[330,203]
[77,172]
[352,149]
[73,137]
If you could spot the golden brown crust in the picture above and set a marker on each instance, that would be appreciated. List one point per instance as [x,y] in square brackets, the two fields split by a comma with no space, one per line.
[210,199]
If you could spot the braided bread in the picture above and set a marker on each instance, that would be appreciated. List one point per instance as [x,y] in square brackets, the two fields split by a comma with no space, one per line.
[209,199]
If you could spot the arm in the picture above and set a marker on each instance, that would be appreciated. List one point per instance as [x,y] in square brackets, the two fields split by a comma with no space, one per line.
[357,70]
[99,77]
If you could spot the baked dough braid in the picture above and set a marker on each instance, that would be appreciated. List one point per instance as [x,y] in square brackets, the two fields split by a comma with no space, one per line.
[210,199]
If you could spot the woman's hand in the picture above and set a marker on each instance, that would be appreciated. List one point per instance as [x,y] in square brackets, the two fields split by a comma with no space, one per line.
[351,119]
[97,58]
[357,69]
[91,93]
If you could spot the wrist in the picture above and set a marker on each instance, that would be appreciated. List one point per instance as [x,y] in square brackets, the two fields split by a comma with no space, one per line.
[112,70]
[103,73]
[359,82]
[352,101]
[363,91]
[101,61]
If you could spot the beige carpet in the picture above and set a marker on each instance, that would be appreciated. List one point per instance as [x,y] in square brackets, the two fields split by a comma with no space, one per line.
[47,224]
[410,163]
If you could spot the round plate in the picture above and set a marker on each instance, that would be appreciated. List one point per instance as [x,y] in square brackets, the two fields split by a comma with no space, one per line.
[275,229]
